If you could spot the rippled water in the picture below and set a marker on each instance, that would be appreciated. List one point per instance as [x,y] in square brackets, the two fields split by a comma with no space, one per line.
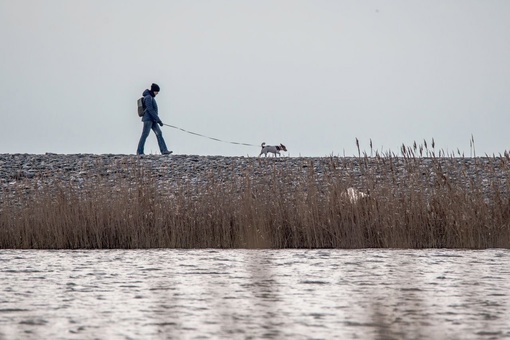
[242,294]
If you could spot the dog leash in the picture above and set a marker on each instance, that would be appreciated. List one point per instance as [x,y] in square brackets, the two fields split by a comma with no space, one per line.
[215,139]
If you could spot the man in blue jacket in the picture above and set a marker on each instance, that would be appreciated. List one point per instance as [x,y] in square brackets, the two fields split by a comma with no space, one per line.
[151,120]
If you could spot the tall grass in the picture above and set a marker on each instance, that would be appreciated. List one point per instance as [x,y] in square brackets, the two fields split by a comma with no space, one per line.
[414,203]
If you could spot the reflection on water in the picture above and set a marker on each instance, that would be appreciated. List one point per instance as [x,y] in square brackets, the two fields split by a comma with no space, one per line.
[242,294]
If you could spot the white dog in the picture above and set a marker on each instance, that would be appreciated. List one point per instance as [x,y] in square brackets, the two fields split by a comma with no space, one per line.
[275,149]
[354,195]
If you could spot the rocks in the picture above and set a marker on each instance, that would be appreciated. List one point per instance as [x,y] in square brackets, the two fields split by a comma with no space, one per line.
[80,170]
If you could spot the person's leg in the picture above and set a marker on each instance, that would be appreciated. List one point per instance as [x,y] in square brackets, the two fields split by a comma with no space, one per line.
[159,136]
[145,133]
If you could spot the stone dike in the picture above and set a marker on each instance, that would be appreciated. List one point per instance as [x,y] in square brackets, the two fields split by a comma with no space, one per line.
[20,172]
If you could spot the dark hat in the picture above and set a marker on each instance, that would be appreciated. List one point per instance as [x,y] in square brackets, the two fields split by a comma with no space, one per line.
[154,87]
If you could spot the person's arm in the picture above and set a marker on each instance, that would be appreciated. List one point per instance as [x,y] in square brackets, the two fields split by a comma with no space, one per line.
[150,109]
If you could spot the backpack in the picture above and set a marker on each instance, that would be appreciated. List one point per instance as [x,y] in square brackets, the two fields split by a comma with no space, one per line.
[141,107]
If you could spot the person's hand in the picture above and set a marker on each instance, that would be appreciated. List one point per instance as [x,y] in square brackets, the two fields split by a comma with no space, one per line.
[160,123]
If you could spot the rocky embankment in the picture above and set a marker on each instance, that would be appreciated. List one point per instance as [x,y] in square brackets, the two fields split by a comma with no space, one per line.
[21,172]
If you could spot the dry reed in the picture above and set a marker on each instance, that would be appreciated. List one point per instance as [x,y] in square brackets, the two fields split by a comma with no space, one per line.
[410,206]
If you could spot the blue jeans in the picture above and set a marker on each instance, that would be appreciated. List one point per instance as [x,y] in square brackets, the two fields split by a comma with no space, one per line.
[147,126]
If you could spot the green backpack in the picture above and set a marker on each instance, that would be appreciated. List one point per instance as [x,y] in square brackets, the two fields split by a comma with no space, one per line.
[141,107]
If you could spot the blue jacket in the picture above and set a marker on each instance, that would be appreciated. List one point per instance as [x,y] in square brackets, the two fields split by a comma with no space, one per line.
[151,108]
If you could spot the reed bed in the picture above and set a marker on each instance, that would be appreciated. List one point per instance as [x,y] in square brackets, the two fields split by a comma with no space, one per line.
[413,202]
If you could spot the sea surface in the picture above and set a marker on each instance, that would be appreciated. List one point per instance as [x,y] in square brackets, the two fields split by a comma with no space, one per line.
[255,294]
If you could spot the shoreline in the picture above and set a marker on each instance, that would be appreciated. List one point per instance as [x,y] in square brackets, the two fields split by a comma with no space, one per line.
[187,201]
[24,168]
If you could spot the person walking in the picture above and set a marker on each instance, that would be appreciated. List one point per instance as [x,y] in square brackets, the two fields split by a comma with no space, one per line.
[151,120]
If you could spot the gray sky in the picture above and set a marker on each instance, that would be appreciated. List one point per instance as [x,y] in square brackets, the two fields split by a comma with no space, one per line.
[313,75]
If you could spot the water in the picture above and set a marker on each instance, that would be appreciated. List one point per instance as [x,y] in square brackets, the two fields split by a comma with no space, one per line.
[243,294]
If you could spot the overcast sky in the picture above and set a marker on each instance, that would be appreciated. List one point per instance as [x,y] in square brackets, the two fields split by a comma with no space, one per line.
[313,75]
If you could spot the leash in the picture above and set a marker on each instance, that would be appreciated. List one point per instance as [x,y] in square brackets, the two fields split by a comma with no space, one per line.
[216,139]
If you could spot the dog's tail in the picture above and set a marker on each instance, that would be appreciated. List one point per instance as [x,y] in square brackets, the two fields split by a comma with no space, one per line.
[262,145]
